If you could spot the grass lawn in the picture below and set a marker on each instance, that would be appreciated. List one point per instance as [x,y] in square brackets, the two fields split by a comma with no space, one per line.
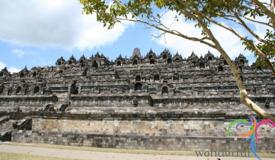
[15,156]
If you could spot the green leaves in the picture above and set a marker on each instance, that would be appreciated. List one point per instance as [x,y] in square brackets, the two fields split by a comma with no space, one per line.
[267,47]
[160,3]
[109,12]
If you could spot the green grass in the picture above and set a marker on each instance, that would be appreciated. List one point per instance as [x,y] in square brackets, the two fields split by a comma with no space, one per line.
[16,156]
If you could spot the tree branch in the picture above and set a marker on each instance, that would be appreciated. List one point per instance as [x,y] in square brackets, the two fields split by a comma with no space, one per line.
[235,71]
[266,11]
[173,32]
[259,22]
[248,29]
[256,49]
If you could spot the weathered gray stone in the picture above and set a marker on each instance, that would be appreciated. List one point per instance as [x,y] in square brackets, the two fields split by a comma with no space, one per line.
[161,102]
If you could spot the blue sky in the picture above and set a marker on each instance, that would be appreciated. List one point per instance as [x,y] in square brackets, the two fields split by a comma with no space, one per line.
[19,56]
[40,31]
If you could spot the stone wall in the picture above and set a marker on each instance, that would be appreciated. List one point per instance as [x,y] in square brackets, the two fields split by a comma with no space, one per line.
[187,134]
[133,127]
[140,142]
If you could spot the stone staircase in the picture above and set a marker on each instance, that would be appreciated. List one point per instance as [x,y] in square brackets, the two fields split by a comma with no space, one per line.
[63,102]
[23,124]
[3,119]
[5,128]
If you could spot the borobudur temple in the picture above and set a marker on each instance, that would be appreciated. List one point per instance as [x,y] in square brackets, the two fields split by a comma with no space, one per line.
[154,101]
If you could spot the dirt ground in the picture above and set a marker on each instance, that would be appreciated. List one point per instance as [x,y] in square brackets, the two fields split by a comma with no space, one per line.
[98,155]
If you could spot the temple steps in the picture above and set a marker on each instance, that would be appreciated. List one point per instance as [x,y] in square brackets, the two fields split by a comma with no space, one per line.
[3,119]
[5,136]
[5,130]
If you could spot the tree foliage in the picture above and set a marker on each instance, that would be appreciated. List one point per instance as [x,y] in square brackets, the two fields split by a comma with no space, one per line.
[111,12]
[204,13]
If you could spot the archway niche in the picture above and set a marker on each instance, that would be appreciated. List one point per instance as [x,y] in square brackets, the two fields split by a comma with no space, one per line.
[95,65]
[241,61]
[116,75]
[164,90]
[135,62]
[35,90]
[156,77]
[202,65]
[138,78]
[74,88]
[82,63]
[152,61]
[220,68]
[21,74]
[164,56]
[169,60]
[224,62]
[2,89]
[135,102]
[34,74]
[138,86]
[9,91]
[176,77]
[267,103]
[18,90]
[85,71]
[118,63]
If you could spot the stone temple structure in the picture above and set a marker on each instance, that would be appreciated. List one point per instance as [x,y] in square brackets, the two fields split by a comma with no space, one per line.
[154,101]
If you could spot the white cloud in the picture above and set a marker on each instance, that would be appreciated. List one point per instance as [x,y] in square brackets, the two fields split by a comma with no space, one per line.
[229,41]
[11,69]
[2,65]
[54,23]
[19,53]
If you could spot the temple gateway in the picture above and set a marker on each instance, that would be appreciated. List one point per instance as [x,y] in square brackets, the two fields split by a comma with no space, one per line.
[154,101]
